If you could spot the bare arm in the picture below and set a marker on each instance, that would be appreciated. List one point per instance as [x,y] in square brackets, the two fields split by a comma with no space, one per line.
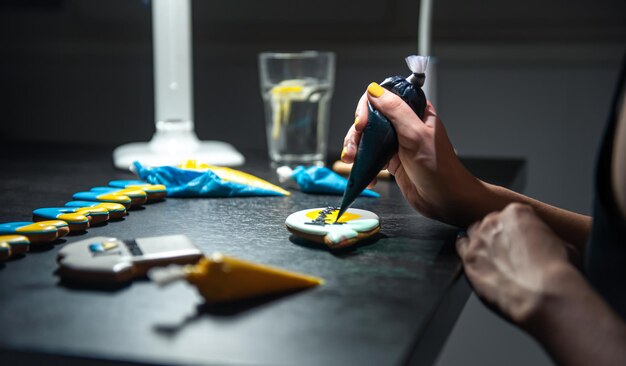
[573,322]
[434,181]
[519,266]
[572,227]
[618,168]
[575,325]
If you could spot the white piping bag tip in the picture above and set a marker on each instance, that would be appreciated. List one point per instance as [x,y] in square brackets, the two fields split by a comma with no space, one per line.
[417,64]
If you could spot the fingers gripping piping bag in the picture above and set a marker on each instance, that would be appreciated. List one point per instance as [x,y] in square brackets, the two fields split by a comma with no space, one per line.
[379,141]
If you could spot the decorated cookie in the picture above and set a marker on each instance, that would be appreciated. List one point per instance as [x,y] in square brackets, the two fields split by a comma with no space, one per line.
[116,210]
[154,192]
[36,232]
[136,195]
[103,197]
[319,225]
[62,227]
[5,251]
[110,260]
[78,218]
[16,244]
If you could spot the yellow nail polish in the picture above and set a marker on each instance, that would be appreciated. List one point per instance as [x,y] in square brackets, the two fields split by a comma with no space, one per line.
[375,90]
[343,152]
[356,120]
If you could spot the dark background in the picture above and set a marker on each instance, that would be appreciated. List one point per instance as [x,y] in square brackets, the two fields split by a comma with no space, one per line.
[529,78]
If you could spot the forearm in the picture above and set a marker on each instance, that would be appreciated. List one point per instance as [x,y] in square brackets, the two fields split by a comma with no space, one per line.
[575,325]
[571,227]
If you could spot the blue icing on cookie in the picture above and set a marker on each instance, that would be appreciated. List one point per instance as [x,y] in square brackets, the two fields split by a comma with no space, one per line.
[101,197]
[24,227]
[153,188]
[131,192]
[81,204]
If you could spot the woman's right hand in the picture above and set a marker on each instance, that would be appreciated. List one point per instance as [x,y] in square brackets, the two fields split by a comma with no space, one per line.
[426,168]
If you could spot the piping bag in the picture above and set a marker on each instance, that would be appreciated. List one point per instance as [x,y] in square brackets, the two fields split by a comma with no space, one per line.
[379,141]
[193,179]
[220,278]
[316,180]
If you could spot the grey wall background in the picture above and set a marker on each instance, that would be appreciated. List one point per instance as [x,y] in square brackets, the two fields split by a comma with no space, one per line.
[531,79]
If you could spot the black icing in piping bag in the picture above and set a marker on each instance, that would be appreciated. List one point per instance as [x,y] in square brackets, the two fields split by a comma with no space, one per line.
[379,141]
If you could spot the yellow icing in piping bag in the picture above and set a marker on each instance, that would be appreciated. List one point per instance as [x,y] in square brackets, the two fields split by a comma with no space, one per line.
[233,175]
[220,278]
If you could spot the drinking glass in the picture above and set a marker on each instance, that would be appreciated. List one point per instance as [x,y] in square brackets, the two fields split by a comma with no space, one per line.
[296,90]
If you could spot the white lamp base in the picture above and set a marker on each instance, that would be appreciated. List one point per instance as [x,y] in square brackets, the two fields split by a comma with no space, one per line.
[157,153]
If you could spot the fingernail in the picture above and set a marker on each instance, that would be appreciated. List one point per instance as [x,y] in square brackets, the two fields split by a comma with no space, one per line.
[356,120]
[375,90]
[346,149]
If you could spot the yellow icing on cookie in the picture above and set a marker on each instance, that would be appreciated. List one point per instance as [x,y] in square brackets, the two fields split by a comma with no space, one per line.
[37,227]
[332,217]
[110,206]
[115,198]
[108,245]
[73,217]
[130,192]
[148,187]
[59,224]
[92,210]
[13,244]
[13,239]
[5,251]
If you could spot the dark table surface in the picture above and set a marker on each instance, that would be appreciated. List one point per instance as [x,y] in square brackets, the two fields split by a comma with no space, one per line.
[392,300]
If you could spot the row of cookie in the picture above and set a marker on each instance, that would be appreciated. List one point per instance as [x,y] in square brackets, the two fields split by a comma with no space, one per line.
[113,202]
[96,206]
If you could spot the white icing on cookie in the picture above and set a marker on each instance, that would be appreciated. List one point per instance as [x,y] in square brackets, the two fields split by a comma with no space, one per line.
[363,221]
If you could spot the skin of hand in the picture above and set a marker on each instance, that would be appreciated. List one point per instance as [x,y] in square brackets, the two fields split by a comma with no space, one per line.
[426,168]
[518,266]
[435,182]
[516,259]
[510,257]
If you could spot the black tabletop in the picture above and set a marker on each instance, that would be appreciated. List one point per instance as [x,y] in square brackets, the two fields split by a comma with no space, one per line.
[379,306]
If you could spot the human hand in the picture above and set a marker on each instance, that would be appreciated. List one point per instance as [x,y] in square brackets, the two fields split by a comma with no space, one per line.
[426,168]
[520,267]
[513,260]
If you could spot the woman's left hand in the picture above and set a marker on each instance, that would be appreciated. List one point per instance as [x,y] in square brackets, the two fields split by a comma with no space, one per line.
[513,259]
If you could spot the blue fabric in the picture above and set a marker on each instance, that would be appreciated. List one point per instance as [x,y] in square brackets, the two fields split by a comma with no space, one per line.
[191,183]
[322,180]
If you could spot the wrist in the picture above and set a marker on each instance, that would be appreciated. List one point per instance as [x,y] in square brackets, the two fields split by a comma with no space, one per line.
[473,200]
[562,285]
[574,324]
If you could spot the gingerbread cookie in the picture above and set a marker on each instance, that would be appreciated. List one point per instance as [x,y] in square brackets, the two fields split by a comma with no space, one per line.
[78,218]
[111,260]
[116,210]
[5,251]
[136,195]
[154,192]
[319,225]
[11,245]
[36,232]
[103,197]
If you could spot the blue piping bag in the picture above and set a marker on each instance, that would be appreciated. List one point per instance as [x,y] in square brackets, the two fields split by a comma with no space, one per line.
[379,141]
[318,180]
[195,183]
